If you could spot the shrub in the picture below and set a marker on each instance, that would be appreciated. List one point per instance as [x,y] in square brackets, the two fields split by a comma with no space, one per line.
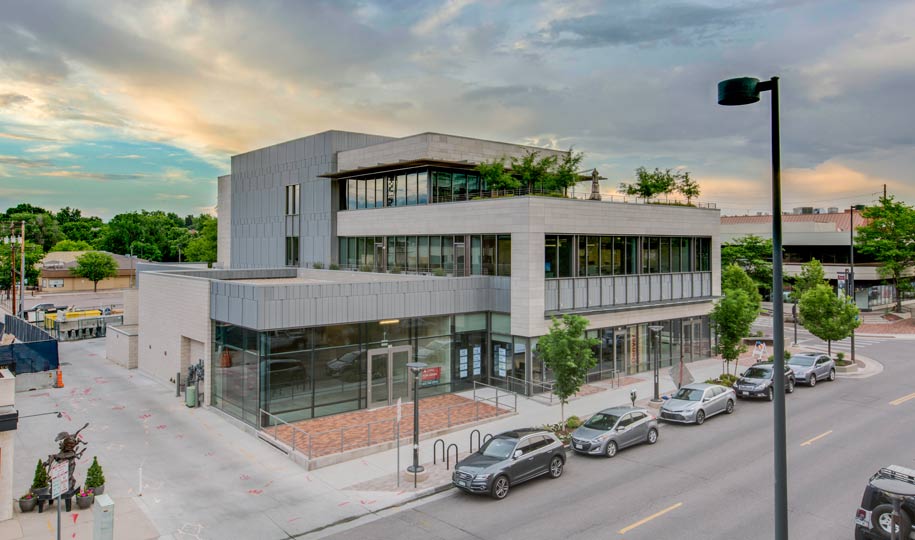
[787,356]
[440,272]
[394,270]
[333,266]
[840,356]
[94,476]
[725,379]
[41,478]
[365,268]
[573,422]
[318,266]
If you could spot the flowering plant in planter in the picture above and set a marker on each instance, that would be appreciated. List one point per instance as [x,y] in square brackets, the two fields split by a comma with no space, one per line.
[85,493]
[27,502]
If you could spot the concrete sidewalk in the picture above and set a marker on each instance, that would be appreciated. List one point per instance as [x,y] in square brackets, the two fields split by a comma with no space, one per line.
[204,478]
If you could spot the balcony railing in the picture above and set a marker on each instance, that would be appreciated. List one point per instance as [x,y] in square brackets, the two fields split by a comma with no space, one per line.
[564,295]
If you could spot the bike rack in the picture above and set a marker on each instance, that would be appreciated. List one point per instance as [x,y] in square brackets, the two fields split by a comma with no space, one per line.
[448,456]
[434,447]
[487,437]
[470,448]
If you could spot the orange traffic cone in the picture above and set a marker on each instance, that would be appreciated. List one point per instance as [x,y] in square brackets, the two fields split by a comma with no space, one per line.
[60,379]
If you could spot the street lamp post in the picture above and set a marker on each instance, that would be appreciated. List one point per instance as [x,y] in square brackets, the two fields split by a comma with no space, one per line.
[851,273]
[416,368]
[744,91]
[656,333]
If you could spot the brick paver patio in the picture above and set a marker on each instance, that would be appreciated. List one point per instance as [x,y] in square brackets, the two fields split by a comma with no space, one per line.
[358,429]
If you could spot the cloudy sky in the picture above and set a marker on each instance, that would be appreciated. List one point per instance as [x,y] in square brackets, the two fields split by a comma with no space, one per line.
[119,106]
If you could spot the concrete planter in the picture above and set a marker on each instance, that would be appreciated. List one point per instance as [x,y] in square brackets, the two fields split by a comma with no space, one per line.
[27,505]
[847,369]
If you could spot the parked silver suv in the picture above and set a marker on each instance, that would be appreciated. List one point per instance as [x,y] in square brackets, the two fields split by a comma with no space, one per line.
[811,367]
[509,459]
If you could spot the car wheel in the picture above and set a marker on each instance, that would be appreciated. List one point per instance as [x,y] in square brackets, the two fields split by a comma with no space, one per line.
[500,488]
[556,467]
[832,374]
[770,394]
[813,380]
[882,516]
[730,408]
[652,436]
[611,449]
[700,418]
[789,388]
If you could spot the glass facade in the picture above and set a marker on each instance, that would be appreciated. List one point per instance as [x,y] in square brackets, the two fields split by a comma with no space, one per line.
[411,187]
[459,255]
[567,255]
[301,373]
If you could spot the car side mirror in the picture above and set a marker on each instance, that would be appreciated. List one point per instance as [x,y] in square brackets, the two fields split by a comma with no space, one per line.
[517,454]
[620,428]
[706,400]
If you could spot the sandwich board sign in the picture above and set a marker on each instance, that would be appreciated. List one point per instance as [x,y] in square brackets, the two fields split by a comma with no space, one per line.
[58,478]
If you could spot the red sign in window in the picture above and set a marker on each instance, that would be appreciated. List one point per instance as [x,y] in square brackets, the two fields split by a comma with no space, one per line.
[430,376]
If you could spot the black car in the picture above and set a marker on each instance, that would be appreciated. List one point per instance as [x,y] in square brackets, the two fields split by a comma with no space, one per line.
[757,381]
[874,517]
[509,459]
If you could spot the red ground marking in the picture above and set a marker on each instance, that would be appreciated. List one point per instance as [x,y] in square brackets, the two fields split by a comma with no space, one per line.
[344,503]
[74,517]
[244,477]
[161,426]
[67,416]
[268,483]
[293,519]
[366,503]
[101,380]
[87,391]
[118,408]
[144,416]
[208,454]
[255,491]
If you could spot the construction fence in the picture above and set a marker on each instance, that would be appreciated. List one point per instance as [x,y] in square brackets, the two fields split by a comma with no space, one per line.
[33,351]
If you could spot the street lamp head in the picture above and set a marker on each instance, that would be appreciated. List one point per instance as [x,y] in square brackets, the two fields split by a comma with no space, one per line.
[416,367]
[739,91]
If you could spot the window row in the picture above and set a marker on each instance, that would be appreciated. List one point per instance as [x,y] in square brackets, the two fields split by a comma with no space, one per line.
[579,255]
[292,200]
[409,188]
[487,255]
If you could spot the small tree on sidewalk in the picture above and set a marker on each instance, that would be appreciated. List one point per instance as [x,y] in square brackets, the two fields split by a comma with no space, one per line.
[812,274]
[826,315]
[735,312]
[567,353]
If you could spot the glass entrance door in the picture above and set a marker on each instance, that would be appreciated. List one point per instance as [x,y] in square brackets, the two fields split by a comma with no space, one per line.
[387,375]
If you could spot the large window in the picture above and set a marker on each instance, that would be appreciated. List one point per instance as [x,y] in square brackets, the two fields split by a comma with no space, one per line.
[490,254]
[581,255]
[409,188]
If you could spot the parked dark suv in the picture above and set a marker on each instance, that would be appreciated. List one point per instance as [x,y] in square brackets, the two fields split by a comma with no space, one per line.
[757,381]
[873,519]
[509,459]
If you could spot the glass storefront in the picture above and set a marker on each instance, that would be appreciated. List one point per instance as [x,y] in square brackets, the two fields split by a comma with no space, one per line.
[301,373]
[489,254]
[567,255]
[411,187]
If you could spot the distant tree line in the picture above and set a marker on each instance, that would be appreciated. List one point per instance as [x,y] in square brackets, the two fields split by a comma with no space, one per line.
[151,235]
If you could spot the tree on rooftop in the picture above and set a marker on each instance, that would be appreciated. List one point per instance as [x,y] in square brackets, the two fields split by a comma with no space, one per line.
[688,187]
[649,184]
[495,177]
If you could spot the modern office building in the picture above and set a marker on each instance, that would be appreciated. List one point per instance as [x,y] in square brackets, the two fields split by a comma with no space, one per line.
[344,255]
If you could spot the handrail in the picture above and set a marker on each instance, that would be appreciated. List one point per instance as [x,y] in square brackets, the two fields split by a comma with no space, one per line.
[545,387]
[614,374]
[514,395]
[292,427]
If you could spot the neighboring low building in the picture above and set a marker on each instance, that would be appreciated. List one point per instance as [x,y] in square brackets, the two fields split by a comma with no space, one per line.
[824,235]
[9,418]
[56,276]
[437,268]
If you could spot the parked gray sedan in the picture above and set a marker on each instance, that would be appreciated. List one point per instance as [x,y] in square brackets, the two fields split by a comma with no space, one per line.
[693,403]
[614,429]
[811,367]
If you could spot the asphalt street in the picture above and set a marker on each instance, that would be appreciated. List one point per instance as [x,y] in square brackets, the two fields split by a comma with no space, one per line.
[701,482]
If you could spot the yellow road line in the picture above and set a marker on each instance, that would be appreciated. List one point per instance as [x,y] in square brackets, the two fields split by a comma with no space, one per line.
[813,440]
[651,517]
[903,399]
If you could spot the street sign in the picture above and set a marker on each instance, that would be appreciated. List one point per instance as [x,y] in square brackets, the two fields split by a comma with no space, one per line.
[58,478]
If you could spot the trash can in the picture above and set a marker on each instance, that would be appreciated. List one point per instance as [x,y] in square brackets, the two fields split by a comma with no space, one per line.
[190,396]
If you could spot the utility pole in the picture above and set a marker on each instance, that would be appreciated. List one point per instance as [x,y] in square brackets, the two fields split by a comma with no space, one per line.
[884,191]
[13,268]
[851,273]
[22,273]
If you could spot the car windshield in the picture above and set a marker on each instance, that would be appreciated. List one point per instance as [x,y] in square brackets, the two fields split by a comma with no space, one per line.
[602,421]
[801,361]
[498,448]
[758,373]
[689,394]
